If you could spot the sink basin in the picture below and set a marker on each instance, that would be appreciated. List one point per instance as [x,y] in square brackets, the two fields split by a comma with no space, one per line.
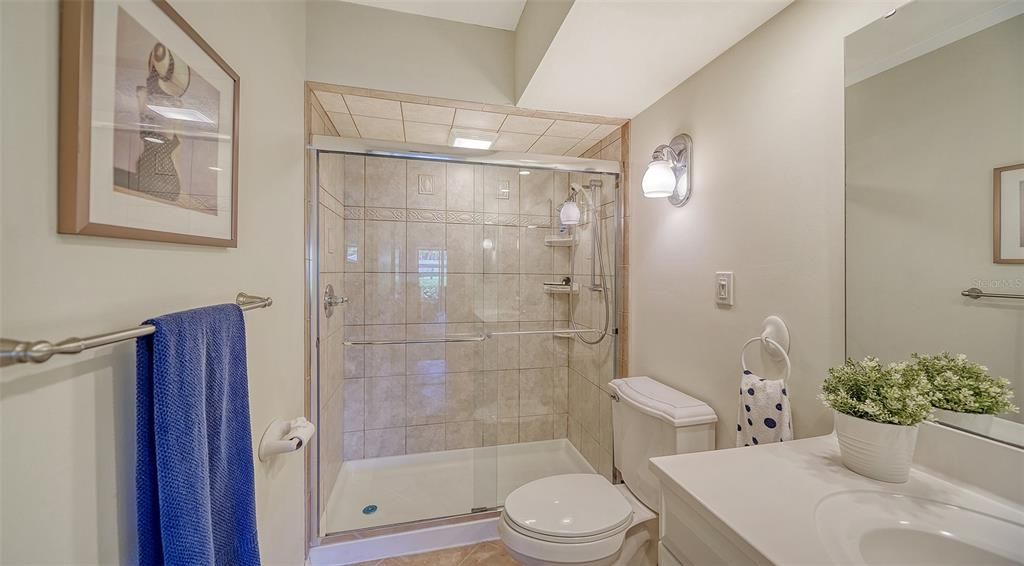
[876,528]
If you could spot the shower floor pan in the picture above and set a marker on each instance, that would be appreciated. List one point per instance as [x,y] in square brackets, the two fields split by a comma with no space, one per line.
[414,487]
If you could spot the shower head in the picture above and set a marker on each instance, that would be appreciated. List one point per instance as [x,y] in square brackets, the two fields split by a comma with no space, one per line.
[570,212]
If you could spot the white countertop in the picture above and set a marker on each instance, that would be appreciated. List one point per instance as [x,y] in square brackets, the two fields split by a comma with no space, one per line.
[768,494]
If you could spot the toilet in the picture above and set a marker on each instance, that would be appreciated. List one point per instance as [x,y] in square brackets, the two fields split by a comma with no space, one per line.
[583,519]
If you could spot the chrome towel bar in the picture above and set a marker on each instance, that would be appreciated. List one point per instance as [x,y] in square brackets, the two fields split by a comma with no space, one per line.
[541,332]
[20,352]
[446,340]
[456,338]
[976,293]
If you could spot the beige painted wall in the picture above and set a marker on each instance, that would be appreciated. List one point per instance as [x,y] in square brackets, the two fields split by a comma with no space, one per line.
[357,45]
[922,140]
[68,426]
[538,25]
[767,123]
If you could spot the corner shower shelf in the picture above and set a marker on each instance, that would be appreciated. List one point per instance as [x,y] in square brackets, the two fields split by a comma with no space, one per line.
[559,241]
[562,289]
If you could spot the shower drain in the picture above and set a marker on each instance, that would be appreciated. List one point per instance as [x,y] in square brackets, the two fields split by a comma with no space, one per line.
[369,510]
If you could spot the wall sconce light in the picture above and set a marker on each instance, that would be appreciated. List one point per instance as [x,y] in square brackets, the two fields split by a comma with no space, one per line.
[670,171]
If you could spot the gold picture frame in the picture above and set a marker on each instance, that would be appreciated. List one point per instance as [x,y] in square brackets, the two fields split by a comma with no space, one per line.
[1002,216]
[144,149]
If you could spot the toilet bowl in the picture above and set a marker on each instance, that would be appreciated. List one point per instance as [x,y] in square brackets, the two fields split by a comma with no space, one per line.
[577,519]
[584,520]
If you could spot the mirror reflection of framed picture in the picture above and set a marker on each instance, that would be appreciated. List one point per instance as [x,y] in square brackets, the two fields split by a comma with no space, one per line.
[1008,216]
[148,126]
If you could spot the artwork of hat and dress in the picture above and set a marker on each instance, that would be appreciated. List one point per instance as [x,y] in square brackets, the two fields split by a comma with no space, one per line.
[153,155]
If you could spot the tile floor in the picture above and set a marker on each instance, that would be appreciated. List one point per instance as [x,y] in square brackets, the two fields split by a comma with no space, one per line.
[491,553]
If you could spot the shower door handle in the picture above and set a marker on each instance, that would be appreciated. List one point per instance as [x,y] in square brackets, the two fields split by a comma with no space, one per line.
[335,301]
[332,300]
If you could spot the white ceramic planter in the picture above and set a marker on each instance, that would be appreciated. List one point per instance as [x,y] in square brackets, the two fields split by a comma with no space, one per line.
[879,451]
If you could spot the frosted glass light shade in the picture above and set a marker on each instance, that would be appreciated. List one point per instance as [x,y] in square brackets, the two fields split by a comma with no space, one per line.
[669,173]
[659,179]
[570,213]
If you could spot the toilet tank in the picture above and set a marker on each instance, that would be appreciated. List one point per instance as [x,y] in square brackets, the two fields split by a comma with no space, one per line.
[650,419]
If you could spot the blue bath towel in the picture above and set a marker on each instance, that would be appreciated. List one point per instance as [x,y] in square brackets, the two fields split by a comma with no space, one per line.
[194,476]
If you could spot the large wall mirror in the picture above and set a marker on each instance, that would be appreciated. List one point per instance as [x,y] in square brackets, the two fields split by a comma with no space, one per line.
[935,200]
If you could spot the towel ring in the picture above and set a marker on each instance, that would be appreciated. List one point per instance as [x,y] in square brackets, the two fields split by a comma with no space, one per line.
[769,341]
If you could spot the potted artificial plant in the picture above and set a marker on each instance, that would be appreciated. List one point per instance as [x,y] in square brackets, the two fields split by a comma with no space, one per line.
[963,393]
[877,410]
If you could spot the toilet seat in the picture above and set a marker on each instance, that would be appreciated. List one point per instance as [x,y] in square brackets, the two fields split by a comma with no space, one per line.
[532,550]
[597,537]
[568,508]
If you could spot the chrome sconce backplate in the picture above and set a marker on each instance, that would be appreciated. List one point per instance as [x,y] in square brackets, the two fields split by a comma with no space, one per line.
[681,155]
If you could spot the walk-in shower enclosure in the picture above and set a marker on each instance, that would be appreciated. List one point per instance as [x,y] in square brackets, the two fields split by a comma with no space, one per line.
[446,369]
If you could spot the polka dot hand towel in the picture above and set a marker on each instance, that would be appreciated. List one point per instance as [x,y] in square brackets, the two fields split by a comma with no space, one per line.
[763,415]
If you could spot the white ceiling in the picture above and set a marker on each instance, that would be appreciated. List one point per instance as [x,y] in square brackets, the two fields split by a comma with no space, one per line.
[618,58]
[501,14]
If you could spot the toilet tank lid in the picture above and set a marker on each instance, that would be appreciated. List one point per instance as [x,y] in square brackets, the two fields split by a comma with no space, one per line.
[661,401]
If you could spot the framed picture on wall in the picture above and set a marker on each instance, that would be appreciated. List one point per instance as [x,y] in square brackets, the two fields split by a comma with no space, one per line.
[1008,216]
[148,126]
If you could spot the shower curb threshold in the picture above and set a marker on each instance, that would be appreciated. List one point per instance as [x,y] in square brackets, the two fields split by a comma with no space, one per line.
[405,543]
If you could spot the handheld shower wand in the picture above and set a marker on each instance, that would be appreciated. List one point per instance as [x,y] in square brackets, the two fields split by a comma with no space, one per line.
[589,214]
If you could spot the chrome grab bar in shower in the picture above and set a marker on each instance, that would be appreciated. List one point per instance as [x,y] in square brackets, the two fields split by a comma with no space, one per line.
[446,340]
[976,293]
[464,338]
[541,332]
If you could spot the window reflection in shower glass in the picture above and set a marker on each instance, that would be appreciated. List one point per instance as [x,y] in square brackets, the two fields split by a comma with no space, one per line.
[430,266]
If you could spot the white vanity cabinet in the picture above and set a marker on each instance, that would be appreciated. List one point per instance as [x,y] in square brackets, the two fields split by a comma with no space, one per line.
[690,536]
[795,503]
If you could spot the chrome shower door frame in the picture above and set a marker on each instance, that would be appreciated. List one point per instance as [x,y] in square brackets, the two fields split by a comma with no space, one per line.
[316,535]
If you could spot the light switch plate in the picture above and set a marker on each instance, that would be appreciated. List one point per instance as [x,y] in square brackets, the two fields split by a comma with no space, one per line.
[724,292]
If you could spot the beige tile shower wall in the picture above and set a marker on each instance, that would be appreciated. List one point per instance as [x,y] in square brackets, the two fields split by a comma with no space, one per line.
[591,367]
[428,250]
[615,147]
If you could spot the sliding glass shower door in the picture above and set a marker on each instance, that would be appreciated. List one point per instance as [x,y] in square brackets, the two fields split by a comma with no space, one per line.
[445,349]
[402,400]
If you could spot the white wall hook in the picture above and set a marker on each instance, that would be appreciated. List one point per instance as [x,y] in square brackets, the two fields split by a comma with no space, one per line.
[284,436]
